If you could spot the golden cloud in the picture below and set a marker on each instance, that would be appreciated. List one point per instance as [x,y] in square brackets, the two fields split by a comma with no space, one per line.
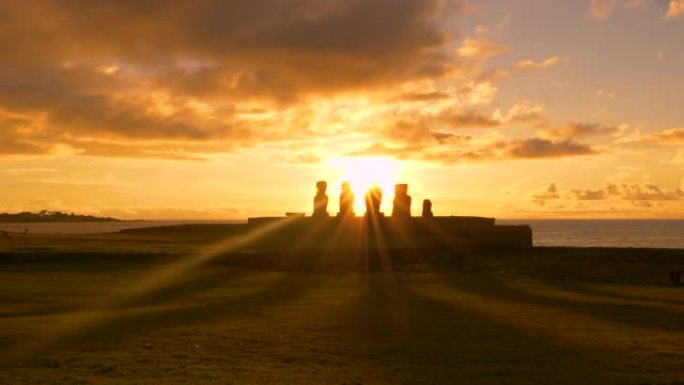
[675,8]
[526,64]
[674,136]
[601,9]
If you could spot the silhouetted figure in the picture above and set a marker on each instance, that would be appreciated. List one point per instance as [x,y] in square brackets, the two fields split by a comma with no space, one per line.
[373,200]
[401,205]
[346,201]
[321,200]
[427,209]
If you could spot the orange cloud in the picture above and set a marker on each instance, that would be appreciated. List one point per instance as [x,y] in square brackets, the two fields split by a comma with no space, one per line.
[82,81]
[480,47]
[526,64]
[675,8]
[237,75]
[673,136]
[543,148]
[601,9]
[588,194]
[454,149]
[583,130]
[551,192]
[646,192]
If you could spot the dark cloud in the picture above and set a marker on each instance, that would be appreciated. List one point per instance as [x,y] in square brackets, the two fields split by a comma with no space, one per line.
[613,189]
[11,145]
[423,96]
[543,148]
[410,133]
[648,192]
[583,130]
[468,148]
[551,192]
[637,193]
[144,71]
[178,80]
[589,195]
[458,155]
[103,115]
[465,119]
[13,142]
[265,43]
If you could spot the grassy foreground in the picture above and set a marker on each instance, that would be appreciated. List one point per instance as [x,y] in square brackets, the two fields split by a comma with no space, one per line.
[559,316]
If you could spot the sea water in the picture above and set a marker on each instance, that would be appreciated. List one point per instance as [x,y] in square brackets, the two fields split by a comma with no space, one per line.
[606,233]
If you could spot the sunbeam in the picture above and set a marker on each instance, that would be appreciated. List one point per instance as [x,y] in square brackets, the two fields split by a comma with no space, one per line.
[106,307]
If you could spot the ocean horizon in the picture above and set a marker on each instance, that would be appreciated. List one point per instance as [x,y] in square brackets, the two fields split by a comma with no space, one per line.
[649,233]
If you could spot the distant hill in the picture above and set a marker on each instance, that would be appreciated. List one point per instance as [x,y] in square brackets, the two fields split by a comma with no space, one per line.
[52,216]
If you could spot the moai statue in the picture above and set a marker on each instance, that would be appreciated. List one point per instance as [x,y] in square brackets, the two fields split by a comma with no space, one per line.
[373,201]
[346,201]
[427,209]
[320,200]
[401,206]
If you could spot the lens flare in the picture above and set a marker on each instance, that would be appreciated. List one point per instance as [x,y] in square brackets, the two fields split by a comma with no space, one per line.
[364,172]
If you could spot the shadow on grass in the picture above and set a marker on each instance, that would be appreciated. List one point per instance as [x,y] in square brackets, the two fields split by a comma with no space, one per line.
[163,294]
[285,289]
[205,281]
[649,317]
[407,336]
[580,288]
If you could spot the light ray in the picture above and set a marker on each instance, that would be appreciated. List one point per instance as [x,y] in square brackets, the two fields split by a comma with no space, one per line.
[106,308]
[364,172]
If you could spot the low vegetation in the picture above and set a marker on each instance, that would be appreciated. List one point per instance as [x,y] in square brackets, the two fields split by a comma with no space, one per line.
[51,216]
[561,316]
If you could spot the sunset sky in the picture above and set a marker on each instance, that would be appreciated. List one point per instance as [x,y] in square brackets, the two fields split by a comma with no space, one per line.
[230,109]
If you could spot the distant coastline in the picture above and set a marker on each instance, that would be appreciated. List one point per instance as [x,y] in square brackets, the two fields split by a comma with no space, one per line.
[51,217]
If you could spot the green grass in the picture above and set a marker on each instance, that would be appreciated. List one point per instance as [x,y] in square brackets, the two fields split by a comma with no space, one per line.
[553,317]
[170,242]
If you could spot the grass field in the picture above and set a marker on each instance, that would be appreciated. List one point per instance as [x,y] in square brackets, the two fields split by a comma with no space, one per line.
[555,317]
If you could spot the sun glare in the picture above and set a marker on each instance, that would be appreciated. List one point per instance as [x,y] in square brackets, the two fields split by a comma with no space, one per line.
[364,172]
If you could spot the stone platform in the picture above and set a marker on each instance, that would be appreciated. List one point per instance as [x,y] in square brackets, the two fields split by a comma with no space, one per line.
[412,234]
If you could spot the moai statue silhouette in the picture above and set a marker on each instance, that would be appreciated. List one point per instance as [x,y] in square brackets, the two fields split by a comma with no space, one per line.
[373,201]
[427,209]
[320,200]
[401,206]
[346,201]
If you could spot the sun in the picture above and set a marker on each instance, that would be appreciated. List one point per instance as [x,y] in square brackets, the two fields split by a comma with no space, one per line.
[364,172]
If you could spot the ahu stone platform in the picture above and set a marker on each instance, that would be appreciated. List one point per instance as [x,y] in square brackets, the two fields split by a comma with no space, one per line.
[409,235]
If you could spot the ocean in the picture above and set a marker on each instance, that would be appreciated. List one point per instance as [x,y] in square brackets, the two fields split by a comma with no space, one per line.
[580,233]
[606,233]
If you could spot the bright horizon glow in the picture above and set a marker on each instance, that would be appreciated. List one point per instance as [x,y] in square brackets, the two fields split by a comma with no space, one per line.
[363,172]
